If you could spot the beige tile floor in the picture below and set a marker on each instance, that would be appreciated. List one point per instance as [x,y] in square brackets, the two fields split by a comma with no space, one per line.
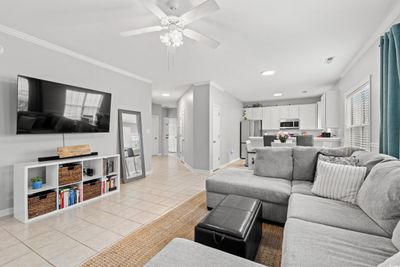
[71,237]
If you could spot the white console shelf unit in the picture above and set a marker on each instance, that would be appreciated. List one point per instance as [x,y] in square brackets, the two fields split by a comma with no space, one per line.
[48,170]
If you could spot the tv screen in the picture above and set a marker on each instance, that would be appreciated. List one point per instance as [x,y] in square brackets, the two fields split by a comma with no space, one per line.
[46,107]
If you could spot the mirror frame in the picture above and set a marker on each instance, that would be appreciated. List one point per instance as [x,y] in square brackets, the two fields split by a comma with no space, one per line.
[138,114]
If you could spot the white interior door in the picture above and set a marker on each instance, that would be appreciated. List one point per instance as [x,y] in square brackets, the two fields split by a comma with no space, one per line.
[181,137]
[156,134]
[216,134]
[165,136]
[173,135]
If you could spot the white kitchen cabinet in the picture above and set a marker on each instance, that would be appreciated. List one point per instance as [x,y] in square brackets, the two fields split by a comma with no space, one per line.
[308,116]
[289,112]
[294,111]
[249,113]
[257,113]
[319,115]
[330,113]
[284,112]
[271,118]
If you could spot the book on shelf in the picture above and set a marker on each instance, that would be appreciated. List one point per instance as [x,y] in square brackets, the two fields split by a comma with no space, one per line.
[70,196]
[108,166]
[110,184]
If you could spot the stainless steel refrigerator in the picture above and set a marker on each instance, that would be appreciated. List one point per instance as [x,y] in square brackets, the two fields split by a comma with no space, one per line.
[248,128]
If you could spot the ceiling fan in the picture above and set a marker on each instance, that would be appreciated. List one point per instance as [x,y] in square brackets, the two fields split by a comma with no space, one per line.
[175,27]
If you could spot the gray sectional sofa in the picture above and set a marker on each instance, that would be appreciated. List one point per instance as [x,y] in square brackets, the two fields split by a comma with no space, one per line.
[320,231]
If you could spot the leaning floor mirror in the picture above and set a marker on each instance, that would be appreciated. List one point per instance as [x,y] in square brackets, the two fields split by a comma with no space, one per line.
[131,145]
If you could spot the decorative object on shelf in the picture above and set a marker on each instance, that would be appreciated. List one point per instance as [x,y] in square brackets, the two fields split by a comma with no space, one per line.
[131,145]
[282,136]
[41,203]
[88,171]
[69,173]
[257,105]
[37,182]
[244,114]
[73,151]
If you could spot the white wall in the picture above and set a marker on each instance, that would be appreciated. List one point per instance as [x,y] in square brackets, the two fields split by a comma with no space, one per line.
[22,57]
[367,66]
[231,113]
[197,104]
[185,104]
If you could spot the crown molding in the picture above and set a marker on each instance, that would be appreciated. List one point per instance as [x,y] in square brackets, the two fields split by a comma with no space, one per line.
[386,24]
[62,50]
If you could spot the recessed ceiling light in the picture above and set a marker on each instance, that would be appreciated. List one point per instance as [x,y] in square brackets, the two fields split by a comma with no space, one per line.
[165,94]
[329,60]
[268,73]
[278,94]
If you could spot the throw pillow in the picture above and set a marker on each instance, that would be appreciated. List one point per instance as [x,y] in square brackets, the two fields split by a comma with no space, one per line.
[337,181]
[339,160]
[379,196]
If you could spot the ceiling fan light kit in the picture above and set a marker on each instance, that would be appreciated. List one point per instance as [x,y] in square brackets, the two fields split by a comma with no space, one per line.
[175,27]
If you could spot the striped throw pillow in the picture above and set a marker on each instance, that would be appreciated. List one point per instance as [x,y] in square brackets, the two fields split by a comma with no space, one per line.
[340,182]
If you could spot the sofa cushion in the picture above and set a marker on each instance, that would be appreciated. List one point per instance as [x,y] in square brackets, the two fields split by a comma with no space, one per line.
[182,252]
[379,196]
[396,236]
[313,244]
[392,261]
[337,181]
[339,151]
[243,183]
[332,213]
[274,162]
[302,187]
[370,159]
[304,163]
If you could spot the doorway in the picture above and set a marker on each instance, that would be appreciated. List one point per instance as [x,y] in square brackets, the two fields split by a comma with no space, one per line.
[181,135]
[156,135]
[216,137]
[172,135]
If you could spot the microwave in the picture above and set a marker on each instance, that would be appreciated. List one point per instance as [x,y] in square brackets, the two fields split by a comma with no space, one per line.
[289,124]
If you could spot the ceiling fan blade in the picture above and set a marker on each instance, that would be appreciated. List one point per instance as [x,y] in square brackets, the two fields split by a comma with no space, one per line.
[200,38]
[153,8]
[141,31]
[204,9]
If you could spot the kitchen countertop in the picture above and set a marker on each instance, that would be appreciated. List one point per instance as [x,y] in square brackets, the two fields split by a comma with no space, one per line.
[321,139]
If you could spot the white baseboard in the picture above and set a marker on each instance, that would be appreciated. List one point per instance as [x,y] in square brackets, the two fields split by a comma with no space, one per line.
[6,212]
[190,168]
[228,163]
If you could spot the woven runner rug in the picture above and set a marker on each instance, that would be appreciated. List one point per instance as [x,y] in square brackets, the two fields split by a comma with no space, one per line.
[140,246]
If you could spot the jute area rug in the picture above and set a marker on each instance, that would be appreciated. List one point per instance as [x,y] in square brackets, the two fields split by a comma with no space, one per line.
[140,246]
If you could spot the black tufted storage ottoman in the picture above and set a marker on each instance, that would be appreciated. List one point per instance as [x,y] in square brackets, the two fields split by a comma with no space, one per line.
[233,226]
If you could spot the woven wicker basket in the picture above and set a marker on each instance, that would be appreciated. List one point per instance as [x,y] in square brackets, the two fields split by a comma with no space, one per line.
[91,189]
[41,203]
[69,174]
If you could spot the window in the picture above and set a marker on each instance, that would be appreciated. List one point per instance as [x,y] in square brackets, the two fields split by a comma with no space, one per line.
[81,105]
[358,118]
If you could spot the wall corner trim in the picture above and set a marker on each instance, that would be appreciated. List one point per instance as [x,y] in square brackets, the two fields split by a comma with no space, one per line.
[62,50]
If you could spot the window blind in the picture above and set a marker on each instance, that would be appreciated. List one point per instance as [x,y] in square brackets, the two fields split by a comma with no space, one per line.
[358,118]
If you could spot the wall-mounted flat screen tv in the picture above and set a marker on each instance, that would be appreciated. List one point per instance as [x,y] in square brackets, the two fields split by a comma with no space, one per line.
[46,107]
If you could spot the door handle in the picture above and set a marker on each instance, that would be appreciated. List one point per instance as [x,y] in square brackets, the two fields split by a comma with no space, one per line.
[214,142]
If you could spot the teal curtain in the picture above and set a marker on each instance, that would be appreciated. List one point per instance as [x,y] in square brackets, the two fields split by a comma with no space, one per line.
[389,142]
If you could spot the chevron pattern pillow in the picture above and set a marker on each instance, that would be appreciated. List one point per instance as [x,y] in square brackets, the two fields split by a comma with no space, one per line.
[337,181]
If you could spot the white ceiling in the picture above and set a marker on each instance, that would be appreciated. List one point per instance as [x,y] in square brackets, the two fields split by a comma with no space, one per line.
[293,37]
